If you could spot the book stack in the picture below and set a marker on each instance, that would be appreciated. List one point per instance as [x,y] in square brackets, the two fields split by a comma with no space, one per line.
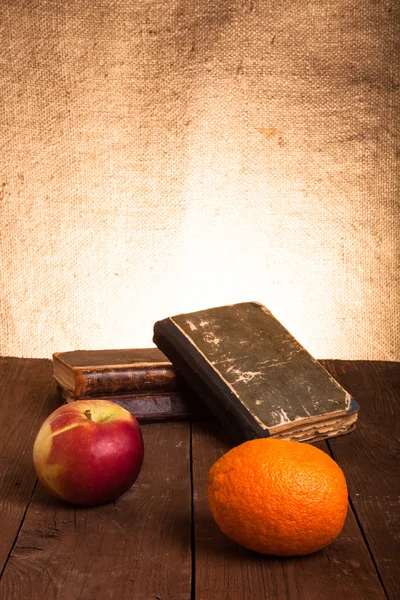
[236,362]
[141,380]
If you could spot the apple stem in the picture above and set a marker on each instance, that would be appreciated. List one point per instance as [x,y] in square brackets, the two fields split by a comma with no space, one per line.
[88,414]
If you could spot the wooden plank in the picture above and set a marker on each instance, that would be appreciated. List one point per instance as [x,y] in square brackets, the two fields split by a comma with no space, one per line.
[27,396]
[226,571]
[370,460]
[138,547]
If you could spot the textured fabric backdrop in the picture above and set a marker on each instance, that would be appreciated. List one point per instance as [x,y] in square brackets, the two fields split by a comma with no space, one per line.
[164,156]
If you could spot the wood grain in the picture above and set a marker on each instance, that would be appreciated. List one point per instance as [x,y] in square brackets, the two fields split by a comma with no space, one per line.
[28,395]
[138,547]
[226,571]
[370,459]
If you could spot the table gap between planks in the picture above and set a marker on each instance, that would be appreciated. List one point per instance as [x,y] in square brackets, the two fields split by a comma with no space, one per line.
[159,542]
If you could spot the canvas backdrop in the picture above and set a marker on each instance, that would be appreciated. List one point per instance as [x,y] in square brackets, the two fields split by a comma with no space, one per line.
[161,156]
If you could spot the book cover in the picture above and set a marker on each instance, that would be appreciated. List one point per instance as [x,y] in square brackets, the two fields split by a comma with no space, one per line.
[254,375]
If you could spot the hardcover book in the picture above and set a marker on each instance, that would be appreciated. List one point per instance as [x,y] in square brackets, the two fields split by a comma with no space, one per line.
[254,375]
[92,373]
[141,380]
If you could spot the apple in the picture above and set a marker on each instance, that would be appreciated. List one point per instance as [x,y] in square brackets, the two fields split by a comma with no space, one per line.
[88,452]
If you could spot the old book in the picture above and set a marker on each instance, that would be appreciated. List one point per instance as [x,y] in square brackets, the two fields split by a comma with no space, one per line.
[253,374]
[150,408]
[93,373]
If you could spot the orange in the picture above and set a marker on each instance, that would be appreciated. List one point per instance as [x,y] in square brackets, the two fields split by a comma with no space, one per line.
[278,497]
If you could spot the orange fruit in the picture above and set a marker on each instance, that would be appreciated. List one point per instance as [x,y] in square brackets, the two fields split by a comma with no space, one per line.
[278,497]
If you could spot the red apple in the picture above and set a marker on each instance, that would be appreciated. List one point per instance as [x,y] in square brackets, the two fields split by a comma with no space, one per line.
[88,452]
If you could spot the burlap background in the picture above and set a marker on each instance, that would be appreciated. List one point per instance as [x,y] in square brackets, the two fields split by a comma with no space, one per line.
[165,156]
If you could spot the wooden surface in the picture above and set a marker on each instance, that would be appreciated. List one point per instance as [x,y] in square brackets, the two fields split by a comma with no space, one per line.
[158,541]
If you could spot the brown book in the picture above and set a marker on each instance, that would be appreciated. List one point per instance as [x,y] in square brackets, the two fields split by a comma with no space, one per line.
[254,375]
[94,373]
[150,408]
[143,381]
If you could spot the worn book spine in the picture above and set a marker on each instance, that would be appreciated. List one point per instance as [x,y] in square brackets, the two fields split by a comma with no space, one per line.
[208,385]
[253,374]
[123,379]
[153,407]
[80,374]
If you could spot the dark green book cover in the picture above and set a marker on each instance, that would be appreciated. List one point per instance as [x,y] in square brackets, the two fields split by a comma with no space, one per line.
[254,374]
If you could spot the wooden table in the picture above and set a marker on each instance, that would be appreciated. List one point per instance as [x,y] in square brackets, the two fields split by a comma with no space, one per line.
[159,542]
